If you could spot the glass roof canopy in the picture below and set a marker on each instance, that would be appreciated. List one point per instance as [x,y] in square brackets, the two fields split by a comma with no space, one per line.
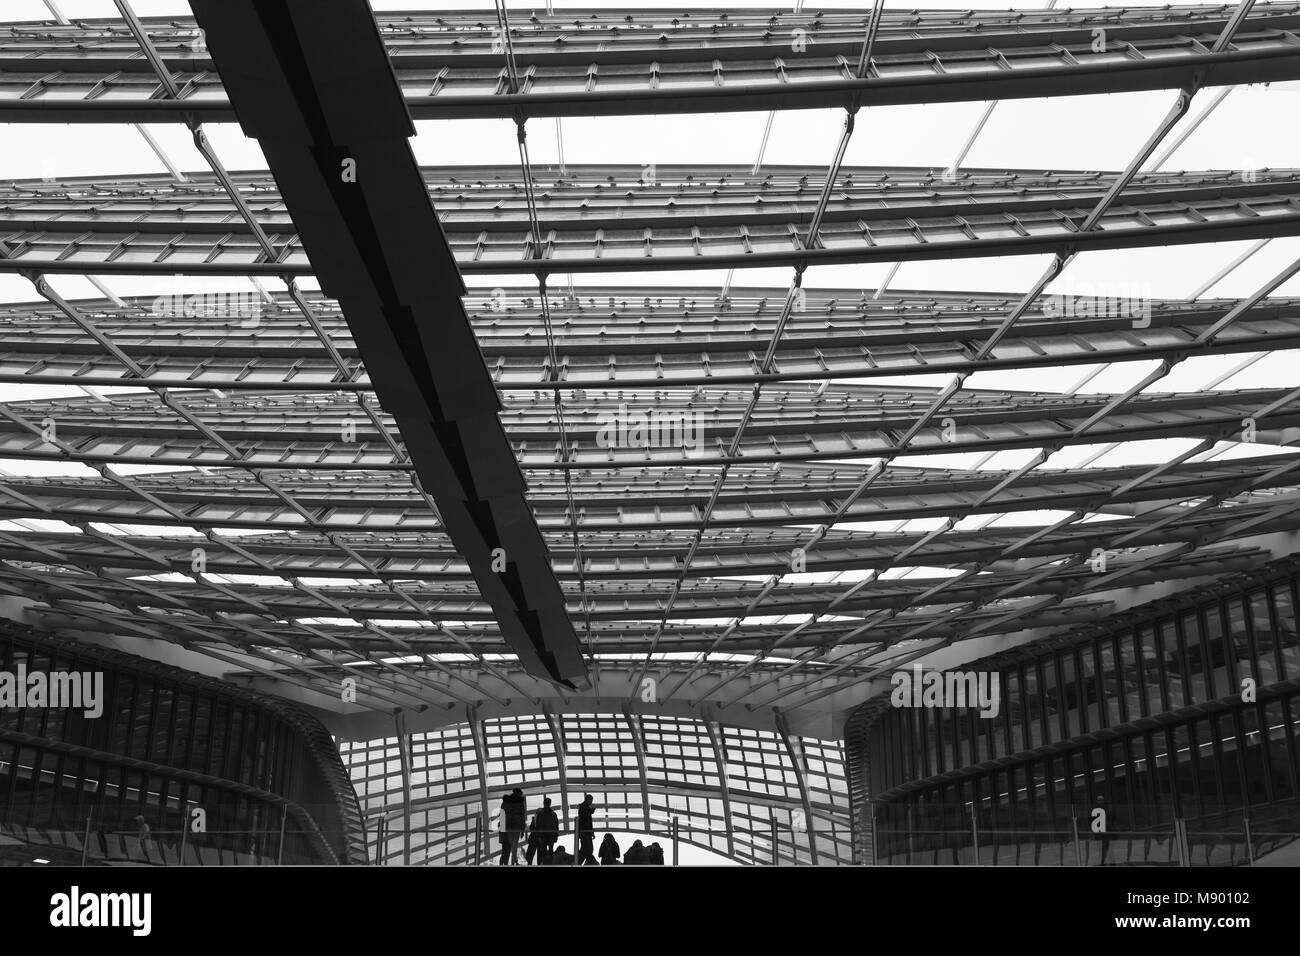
[865,368]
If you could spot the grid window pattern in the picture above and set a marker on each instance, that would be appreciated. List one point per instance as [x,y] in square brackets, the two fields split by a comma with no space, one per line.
[245,422]
[762,818]
[167,743]
[1229,778]
[1183,658]
[1236,758]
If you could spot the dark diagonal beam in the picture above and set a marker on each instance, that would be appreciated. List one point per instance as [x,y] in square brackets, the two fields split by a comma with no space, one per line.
[312,83]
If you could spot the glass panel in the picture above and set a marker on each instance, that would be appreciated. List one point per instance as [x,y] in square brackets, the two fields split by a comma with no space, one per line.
[1195,656]
[1034,706]
[1261,622]
[47,787]
[55,718]
[1151,703]
[220,737]
[1020,713]
[31,719]
[1112,693]
[1239,646]
[912,733]
[121,716]
[986,733]
[1284,615]
[1252,756]
[1070,695]
[1208,755]
[1279,751]
[1012,715]
[202,727]
[1221,683]
[957,720]
[1122,789]
[1095,778]
[1161,785]
[1089,697]
[1194,764]
[139,731]
[23,785]
[1141,792]
[1229,768]
[931,718]
[164,729]
[1184,783]
[1171,665]
[1130,662]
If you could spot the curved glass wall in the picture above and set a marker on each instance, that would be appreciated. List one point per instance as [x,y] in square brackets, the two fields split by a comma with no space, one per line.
[735,791]
[173,768]
[1178,725]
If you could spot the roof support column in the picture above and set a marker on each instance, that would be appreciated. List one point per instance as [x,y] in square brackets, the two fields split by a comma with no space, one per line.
[557,734]
[480,758]
[799,760]
[720,757]
[638,741]
[404,753]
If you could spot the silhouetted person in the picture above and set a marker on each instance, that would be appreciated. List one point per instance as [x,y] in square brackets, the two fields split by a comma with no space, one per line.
[655,855]
[545,831]
[609,852]
[560,858]
[142,831]
[514,814]
[586,829]
[635,855]
[533,845]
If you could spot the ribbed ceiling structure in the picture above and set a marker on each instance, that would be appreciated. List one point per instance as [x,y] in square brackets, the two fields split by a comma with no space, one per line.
[838,485]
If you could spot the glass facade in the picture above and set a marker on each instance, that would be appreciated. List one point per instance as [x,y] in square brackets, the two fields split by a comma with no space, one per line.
[261,774]
[1180,727]
[598,754]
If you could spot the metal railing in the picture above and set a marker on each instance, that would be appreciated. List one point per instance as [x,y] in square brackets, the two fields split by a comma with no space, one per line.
[96,846]
[1237,837]
[473,841]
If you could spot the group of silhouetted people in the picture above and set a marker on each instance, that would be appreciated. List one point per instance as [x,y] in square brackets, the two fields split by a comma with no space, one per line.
[544,832]
[637,854]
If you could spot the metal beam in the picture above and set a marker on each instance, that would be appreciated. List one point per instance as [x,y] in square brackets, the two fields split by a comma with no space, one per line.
[647,338]
[633,722]
[799,761]
[739,221]
[720,758]
[337,145]
[742,60]
[481,761]
[631,600]
[1094,219]
[780,426]
[430,563]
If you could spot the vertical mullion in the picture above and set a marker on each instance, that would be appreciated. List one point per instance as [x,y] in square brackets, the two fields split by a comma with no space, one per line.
[1058,664]
[1289,728]
[1162,678]
[1180,640]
